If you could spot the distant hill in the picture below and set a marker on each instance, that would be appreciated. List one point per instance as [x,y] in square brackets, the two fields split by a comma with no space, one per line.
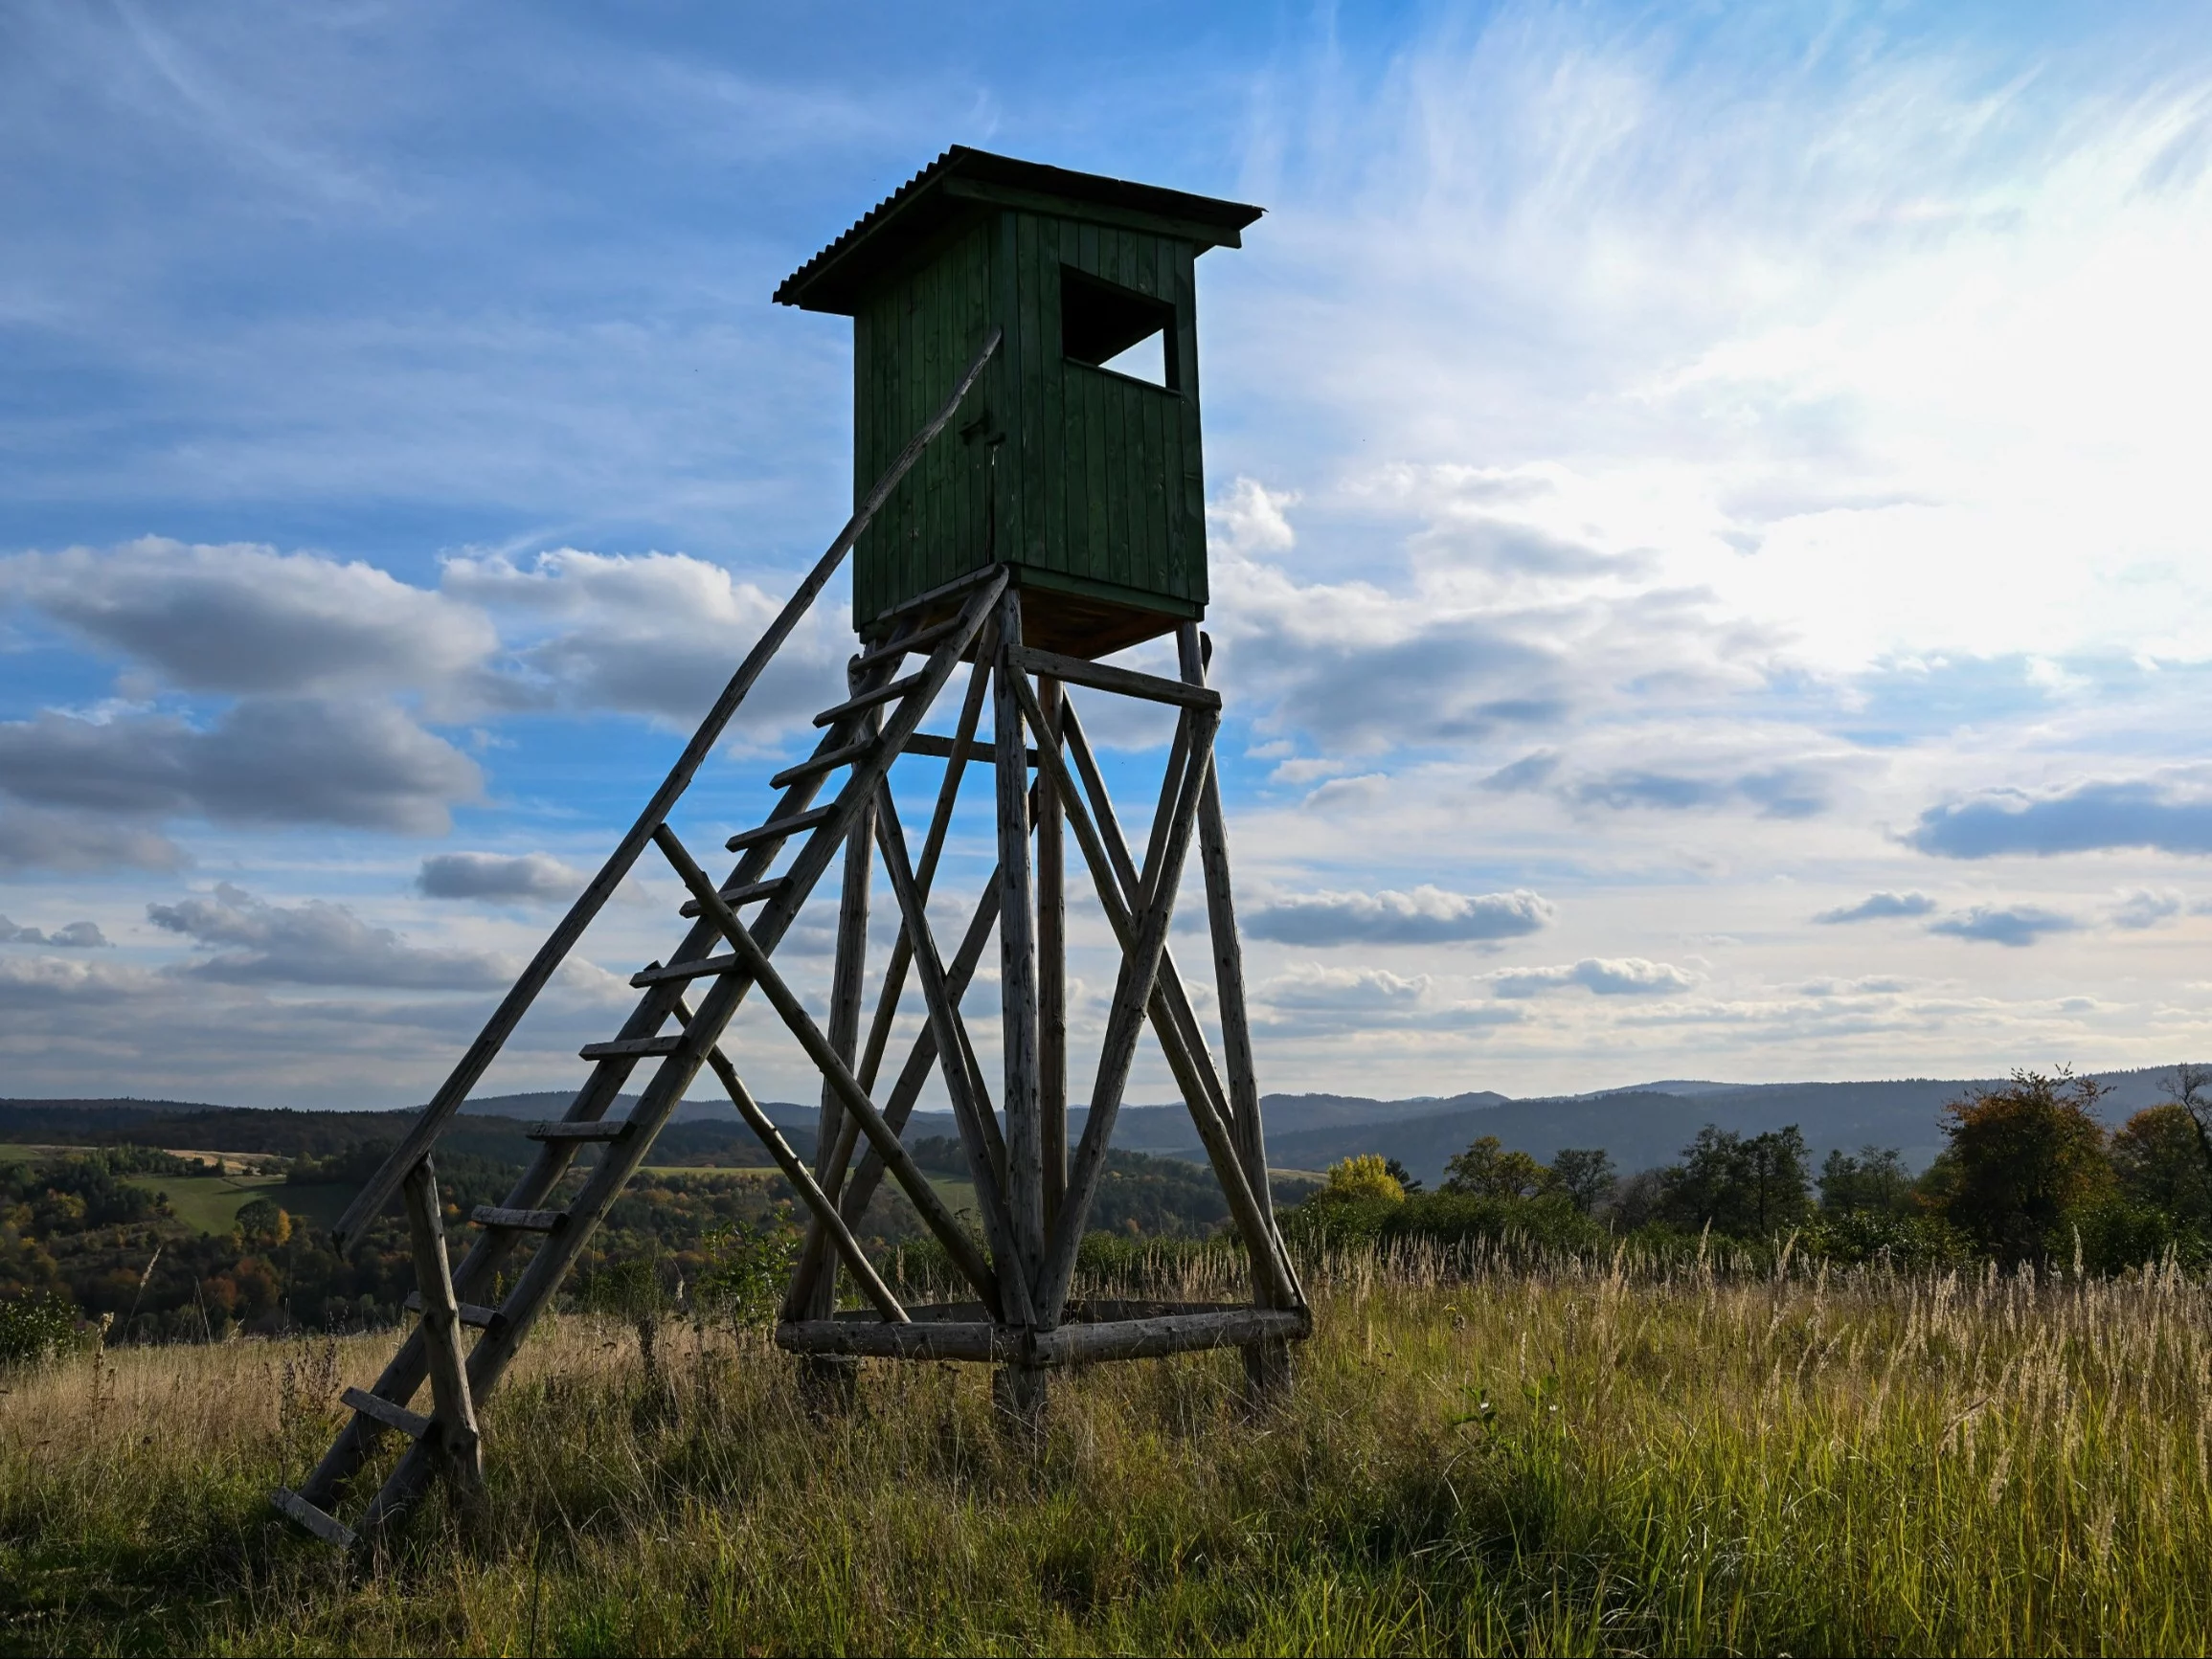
[1641,1125]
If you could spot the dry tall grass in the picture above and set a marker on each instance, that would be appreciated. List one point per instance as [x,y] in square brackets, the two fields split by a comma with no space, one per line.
[1571,1460]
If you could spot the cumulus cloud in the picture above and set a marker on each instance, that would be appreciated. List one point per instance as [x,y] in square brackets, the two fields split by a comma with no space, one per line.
[1603,976]
[2143,813]
[1310,998]
[530,876]
[308,760]
[315,943]
[653,634]
[74,937]
[1878,907]
[248,619]
[1425,916]
[2016,925]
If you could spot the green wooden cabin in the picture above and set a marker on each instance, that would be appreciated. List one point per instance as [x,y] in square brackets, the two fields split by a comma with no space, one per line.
[1077,458]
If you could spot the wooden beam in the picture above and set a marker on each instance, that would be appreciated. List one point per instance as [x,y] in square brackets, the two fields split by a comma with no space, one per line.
[1170,1334]
[416,1143]
[1123,681]
[929,746]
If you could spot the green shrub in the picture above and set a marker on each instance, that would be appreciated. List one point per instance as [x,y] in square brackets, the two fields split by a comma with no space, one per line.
[1902,1242]
[33,1327]
[2117,1233]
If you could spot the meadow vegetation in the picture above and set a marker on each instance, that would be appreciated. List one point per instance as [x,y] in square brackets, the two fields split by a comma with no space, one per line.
[1485,1450]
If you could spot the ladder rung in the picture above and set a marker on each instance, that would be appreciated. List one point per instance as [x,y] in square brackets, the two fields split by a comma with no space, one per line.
[920,641]
[750,893]
[474,1315]
[520,1221]
[329,1528]
[633,1047]
[391,1416]
[697,968]
[866,700]
[781,828]
[606,1128]
[826,762]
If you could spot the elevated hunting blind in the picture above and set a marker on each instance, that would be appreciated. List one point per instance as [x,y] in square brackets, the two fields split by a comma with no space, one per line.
[1030,498]
[1077,460]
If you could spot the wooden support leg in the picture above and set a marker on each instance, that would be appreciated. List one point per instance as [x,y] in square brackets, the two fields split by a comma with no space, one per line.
[1267,1363]
[1051,975]
[1020,1394]
[827,1382]
[453,1437]
[1018,967]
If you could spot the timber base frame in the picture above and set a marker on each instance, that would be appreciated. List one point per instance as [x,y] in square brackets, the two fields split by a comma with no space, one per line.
[1033,1190]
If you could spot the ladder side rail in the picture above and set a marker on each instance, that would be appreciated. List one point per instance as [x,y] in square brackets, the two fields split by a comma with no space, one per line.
[488,1253]
[480,1053]
[1173,1019]
[1132,997]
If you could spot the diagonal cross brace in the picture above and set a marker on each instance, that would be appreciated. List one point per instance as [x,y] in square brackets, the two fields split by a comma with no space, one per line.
[919,1191]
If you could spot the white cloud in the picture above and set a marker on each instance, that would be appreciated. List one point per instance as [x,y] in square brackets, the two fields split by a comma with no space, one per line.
[249,619]
[1425,916]
[315,943]
[535,877]
[1604,976]
[267,760]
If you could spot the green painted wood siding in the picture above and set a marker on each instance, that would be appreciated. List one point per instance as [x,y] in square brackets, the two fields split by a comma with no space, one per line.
[1098,484]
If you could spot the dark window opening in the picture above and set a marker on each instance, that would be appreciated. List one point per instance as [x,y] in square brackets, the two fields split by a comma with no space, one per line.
[1117,328]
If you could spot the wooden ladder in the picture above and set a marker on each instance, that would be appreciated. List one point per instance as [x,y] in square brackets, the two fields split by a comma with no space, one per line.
[862,736]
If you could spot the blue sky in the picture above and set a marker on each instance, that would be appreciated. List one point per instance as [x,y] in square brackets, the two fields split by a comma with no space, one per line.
[1709,571]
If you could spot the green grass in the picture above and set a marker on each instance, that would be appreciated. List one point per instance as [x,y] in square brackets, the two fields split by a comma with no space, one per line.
[210,1203]
[1578,1460]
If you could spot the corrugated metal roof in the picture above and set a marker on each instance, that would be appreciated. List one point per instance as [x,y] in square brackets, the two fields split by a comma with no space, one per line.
[918,209]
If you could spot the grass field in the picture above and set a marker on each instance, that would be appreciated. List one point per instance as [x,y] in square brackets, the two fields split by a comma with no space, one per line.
[1582,1460]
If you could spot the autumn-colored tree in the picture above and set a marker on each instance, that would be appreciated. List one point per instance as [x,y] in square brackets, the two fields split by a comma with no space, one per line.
[1366,1176]
[2158,1161]
[2020,1158]
[1486,1170]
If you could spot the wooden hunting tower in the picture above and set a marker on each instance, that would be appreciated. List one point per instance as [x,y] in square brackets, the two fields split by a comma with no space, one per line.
[1083,477]
[1028,499]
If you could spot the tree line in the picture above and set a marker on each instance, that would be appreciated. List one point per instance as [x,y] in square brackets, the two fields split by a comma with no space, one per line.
[2028,1173]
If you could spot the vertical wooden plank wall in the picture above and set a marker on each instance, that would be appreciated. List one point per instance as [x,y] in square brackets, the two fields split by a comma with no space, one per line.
[1099,476]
